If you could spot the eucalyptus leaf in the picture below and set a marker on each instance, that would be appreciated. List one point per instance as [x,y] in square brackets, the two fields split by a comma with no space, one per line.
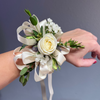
[22,47]
[28,12]
[28,75]
[35,33]
[21,79]
[54,64]
[42,30]
[25,81]
[23,71]
[33,20]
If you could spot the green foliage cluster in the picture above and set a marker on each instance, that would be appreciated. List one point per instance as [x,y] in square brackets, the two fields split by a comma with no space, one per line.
[25,73]
[71,43]
[36,34]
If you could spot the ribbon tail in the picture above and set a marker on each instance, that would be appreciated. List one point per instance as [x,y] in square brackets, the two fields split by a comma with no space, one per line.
[43,90]
[50,86]
[37,77]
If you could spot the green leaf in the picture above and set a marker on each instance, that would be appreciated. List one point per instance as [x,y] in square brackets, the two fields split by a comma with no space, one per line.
[22,47]
[42,30]
[23,71]
[28,12]
[31,64]
[59,67]
[21,79]
[54,67]
[30,69]
[53,33]
[66,44]
[82,46]
[35,33]
[54,64]
[33,20]
[28,75]
[30,37]
[25,81]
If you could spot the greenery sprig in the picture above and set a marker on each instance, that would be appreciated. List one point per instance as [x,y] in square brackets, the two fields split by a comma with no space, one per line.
[25,73]
[71,43]
[34,22]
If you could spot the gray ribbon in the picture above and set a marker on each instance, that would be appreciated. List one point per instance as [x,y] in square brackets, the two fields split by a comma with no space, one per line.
[43,90]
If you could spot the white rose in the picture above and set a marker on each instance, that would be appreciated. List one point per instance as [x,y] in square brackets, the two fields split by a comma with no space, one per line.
[47,45]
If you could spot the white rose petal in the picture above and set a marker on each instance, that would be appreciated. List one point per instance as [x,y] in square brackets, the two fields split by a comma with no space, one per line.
[47,45]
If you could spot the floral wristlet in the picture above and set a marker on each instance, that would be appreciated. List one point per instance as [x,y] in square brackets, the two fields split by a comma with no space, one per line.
[45,50]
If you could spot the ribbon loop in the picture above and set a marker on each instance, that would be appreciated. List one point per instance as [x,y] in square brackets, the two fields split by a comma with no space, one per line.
[59,57]
[22,39]
[36,76]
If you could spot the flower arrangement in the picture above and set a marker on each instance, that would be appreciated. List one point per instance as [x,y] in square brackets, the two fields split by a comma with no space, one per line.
[45,49]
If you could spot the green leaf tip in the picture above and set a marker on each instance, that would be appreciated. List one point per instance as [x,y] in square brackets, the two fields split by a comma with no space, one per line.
[28,12]
[25,81]
[54,64]
[22,47]
[28,75]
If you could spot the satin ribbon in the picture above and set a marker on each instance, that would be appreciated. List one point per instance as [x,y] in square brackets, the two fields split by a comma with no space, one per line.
[43,90]
[22,39]
[50,86]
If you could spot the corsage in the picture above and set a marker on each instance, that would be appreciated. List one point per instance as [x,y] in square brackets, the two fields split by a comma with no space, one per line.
[43,48]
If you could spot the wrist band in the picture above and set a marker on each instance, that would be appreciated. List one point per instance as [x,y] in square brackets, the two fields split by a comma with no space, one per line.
[45,50]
